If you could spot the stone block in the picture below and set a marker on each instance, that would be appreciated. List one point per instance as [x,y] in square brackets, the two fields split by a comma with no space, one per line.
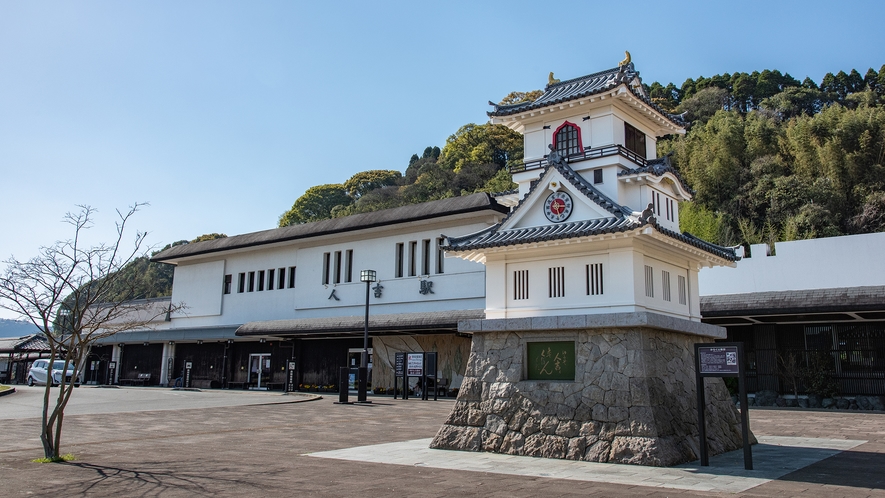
[534,444]
[571,322]
[577,446]
[568,428]
[470,325]
[476,418]
[598,452]
[491,441]
[531,426]
[513,444]
[544,323]
[458,438]
[549,424]
[518,324]
[494,325]
[496,425]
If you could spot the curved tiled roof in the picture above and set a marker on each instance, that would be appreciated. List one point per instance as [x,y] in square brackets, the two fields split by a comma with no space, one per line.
[622,220]
[657,167]
[495,238]
[403,214]
[723,252]
[585,86]
[491,237]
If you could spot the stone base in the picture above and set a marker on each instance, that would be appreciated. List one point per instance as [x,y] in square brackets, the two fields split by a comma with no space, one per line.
[633,399]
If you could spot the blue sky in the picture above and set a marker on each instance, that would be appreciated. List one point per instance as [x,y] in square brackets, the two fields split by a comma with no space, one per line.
[221,114]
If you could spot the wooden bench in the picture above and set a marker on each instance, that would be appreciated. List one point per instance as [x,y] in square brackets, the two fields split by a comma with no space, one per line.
[142,379]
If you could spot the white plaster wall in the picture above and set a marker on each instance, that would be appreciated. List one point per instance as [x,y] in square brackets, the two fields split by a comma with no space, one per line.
[460,286]
[534,142]
[602,130]
[657,303]
[850,261]
[190,288]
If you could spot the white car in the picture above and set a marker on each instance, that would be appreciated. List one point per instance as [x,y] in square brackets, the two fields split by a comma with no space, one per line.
[41,370]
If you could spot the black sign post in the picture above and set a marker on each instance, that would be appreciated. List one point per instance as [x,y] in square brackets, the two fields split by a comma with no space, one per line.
[290,376]
[430,372]
[721,359]
[112,372]
[399,371]
[188,366]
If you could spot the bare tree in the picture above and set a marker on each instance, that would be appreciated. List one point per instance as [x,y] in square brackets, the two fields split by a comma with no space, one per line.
[76,294]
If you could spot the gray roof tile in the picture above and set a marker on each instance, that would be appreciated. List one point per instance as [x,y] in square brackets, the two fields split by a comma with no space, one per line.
[585,86]
[403,214]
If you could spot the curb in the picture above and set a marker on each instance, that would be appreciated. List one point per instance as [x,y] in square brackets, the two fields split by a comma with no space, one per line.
[7,392]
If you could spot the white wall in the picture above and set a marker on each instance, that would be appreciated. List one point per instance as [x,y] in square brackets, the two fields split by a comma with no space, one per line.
[850,261]
[198,287]
[460,286]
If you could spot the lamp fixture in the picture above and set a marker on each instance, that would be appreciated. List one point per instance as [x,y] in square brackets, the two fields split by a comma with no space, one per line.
[200,342]
[171,343]
[145,343]
[262,340]
[368,276]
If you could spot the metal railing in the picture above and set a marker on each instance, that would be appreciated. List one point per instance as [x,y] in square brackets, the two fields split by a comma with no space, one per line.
[588,153]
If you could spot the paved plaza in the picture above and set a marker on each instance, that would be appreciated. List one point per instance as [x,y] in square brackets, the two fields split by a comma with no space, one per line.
[160,442]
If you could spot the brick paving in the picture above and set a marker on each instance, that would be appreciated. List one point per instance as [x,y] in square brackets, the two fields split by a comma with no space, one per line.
[261,451]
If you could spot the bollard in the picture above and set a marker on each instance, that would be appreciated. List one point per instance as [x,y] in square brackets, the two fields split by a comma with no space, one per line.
[343,388]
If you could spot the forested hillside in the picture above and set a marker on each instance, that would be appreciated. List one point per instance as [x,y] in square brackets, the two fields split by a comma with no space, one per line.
[770,158]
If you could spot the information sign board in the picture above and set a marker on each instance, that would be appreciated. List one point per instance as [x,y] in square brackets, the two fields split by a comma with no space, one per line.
[724,359]
[399,364]
[415,364]
[719,360]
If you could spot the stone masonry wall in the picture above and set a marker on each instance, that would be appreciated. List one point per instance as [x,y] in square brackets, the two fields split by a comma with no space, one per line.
[633,400]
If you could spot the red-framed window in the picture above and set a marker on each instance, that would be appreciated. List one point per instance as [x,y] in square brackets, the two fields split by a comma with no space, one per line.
[567,139]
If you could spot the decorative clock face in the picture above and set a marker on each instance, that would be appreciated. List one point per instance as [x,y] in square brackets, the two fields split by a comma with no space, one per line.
[558,207]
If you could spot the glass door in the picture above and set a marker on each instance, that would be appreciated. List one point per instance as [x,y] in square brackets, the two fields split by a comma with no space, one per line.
[259,371]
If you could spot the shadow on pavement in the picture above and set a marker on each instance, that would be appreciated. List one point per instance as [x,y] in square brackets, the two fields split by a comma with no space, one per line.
[852,468]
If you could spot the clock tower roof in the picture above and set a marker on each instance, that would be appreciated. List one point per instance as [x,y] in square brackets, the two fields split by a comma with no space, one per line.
[559,92]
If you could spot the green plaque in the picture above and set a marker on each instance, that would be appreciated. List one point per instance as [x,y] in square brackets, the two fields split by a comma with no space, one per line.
[551,360]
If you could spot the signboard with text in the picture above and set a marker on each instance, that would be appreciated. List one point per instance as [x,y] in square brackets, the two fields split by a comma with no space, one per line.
[551,360]
[415,364]
[723,359]
[718,360]
[399,364]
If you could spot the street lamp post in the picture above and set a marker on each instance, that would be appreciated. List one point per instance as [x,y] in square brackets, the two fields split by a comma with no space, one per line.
[367,276]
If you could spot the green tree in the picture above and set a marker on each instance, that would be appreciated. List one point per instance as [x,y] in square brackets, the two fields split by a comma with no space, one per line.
[704,104]
[482,144]
[520,97]
[209,236]
[316,204]
[365,181]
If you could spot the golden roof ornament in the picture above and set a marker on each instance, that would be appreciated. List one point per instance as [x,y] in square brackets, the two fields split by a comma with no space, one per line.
[551,80]
[623,62]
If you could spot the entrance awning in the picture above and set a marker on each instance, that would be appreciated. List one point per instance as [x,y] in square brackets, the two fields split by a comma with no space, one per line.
[428,322]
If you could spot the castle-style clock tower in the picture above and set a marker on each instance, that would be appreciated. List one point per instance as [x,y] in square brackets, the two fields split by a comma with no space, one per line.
[592,305]
[596,229]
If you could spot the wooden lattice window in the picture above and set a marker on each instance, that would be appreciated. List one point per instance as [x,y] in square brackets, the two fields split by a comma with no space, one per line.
[567,139]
